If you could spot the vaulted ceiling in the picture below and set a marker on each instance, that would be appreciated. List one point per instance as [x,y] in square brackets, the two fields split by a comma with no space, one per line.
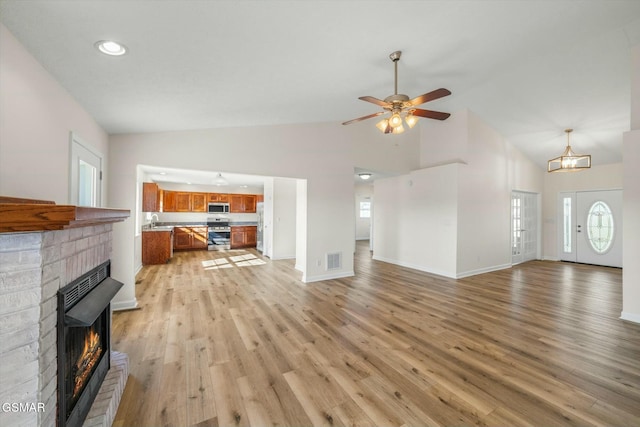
[530,69]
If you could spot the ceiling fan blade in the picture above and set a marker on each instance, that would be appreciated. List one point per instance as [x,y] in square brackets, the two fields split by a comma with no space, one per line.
[364,117]
[438,115]
[438,93]
[374,101]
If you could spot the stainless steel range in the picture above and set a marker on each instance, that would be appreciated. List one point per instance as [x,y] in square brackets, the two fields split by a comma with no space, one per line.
[219,234]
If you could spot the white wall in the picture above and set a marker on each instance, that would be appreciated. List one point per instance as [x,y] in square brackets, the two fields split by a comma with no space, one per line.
[364,193]
[283,225]
[603,177]
[36,117]
[415,221]
[453,217]
[301,224]
[484,200]
[631,201]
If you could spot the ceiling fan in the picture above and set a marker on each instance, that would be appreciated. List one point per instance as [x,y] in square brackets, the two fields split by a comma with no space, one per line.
[400,106]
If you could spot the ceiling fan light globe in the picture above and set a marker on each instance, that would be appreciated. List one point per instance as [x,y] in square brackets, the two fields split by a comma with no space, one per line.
[397,129]
[383,125]
[411,120]
[395,120]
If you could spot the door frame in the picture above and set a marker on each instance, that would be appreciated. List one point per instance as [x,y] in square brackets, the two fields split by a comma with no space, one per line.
[574,255]
[538,224]
[77,149]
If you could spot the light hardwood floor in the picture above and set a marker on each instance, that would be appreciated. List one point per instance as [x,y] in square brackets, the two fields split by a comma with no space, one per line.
[231,338]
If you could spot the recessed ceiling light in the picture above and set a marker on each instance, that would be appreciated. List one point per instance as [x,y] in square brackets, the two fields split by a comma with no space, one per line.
[109,47]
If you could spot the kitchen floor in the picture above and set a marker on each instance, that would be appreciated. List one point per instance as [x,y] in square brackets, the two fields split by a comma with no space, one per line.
[232,338]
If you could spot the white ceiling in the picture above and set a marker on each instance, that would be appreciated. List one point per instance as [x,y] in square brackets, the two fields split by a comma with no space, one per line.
[530,69]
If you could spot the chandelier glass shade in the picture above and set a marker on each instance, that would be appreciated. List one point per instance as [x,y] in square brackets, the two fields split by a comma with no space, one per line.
[569,161]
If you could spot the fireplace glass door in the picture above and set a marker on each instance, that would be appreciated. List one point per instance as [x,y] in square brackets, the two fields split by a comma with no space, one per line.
[85,346]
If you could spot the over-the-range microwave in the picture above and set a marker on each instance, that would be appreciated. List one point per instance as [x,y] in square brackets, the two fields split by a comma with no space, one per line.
[218,208]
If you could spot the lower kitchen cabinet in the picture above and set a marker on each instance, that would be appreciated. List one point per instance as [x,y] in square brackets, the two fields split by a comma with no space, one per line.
[244,236]
[190,238]
[157,247]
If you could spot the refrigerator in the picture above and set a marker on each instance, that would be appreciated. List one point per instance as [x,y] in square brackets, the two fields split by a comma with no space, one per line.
[260,235]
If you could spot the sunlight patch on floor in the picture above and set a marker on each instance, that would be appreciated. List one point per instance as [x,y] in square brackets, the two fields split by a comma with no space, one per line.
[245,260]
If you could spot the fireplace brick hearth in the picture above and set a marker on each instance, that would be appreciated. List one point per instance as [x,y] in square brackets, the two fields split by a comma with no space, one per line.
[33,267]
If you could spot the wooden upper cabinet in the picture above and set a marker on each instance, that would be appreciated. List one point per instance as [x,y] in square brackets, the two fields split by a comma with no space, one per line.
[242,203]
[218,197]
[259,198]
[250,203]
[236,203]
[183,201]
[168,201]
[199,202]
[150,197]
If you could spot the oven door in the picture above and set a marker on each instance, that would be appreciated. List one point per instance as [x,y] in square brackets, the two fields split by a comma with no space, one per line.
[218,239]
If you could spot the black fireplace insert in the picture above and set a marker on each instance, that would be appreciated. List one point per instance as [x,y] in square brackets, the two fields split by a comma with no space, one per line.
[84,335]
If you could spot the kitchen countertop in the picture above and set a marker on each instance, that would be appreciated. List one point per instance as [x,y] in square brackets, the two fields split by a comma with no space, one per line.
[243,223]
[169,226]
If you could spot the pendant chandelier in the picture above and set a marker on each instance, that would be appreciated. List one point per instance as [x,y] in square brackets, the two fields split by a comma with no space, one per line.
[569,161]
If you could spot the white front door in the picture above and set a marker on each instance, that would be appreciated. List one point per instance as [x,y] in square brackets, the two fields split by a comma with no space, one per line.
[591,231]
[524,226]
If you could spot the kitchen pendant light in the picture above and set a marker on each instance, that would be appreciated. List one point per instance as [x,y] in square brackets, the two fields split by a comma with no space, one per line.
[220,180]
[569,161]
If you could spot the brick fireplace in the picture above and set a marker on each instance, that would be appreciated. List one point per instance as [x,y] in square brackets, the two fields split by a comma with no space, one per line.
[34,266]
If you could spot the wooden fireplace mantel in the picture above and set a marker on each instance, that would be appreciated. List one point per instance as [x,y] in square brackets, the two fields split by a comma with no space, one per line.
[18,215]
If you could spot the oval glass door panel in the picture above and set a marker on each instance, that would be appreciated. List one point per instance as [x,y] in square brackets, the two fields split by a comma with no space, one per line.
[600,227]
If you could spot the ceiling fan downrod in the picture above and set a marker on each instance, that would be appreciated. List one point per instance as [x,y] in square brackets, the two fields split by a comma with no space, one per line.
[395,57]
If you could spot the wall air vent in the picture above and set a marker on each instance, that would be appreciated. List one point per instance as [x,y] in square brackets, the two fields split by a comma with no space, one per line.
[334,261]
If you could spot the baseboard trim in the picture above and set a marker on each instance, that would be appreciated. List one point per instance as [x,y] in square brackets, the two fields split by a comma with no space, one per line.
[329,276]
[414,266]
[630,317]
[124,305]
[283,257]
[482,271]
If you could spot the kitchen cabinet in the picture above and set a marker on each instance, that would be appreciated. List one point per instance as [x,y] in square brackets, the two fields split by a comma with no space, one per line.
[242,203]
[218,197]
[186,201]
[244,236]
[190,238]
[157,247]
[150,197]
[183,201]
[168,201]
[199,202]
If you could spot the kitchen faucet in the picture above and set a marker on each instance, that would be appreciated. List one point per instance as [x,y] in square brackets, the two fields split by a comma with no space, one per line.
[152,221]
